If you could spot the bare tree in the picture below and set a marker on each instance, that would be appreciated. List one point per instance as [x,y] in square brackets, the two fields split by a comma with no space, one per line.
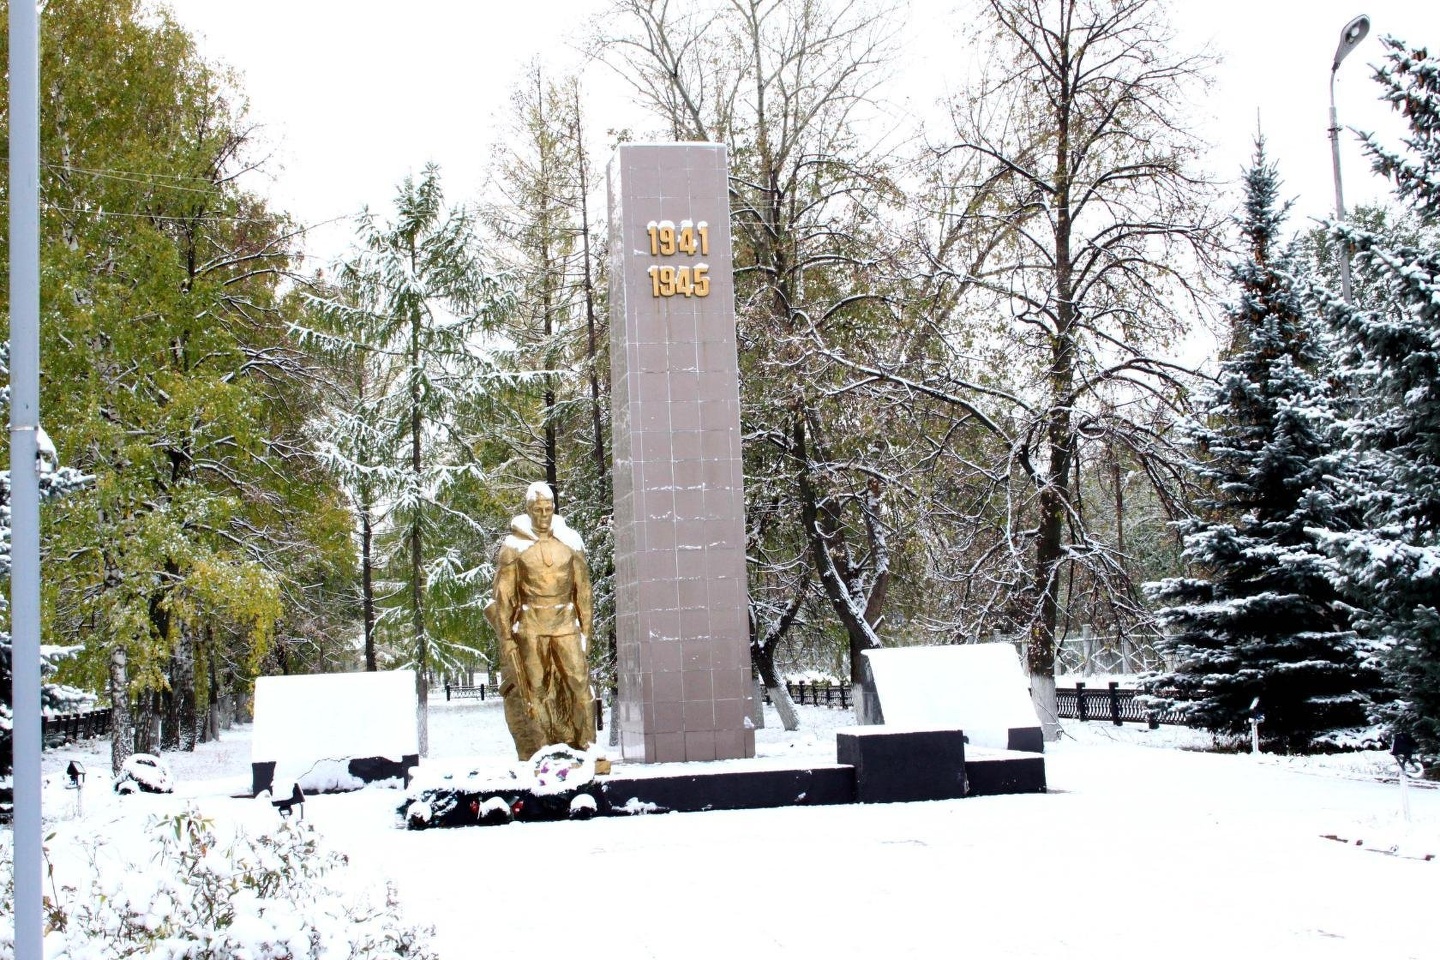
[1105,231]
[783,85]
[535,239]
[1061,259]
[540,224]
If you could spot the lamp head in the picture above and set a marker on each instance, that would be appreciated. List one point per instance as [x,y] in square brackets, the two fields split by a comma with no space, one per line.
[1350,37]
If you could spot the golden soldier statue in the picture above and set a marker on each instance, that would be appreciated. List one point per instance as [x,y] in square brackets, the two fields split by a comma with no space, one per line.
[541,615]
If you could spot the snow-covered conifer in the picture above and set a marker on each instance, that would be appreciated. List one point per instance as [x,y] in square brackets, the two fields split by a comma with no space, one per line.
[1391,357]
[1261,618]
[421,311]
[54,482]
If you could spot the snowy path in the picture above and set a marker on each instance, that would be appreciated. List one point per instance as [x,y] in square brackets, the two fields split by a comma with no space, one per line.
[1136,852]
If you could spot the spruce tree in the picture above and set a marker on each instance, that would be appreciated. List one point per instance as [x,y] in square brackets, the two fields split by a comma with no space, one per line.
[54,482]
[1391,564]
[1262,618]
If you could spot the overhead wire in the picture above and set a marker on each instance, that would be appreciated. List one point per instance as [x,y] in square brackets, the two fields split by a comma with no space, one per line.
[147,179]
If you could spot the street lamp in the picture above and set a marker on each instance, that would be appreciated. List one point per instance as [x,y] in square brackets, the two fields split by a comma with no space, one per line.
[1350,37]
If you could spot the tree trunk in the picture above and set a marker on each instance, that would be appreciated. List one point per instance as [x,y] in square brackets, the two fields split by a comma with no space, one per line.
[597,440]
[212,712]
[1118,476]
[422,649]
[122,730]
[148,711]
[1060,441]
[552,455]
[762,656]
[764,659]
[417,567]
[170,716]
[180,721]
[825,543]
[1040,651]
[367,586]
[757,701]
[1042,695]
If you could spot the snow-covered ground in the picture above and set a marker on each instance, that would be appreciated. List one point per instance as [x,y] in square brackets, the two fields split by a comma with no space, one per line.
[1143,847]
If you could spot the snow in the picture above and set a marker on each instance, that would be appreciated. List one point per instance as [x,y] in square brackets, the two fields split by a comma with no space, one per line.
[300,720]
[324,776]
[978,688]
[1143,846]
[559,769]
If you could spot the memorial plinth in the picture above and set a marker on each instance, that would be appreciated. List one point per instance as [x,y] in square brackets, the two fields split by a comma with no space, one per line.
[681,617]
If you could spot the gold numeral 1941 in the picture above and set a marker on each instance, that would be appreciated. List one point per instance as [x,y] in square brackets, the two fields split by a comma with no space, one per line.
[666,240]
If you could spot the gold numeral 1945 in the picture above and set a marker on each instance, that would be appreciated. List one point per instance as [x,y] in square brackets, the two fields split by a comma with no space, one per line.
[670,281]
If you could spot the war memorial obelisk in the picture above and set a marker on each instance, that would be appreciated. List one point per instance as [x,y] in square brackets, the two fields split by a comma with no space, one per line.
[681,615]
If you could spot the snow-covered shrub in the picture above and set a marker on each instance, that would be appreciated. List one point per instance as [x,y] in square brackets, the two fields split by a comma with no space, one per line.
[7,895]
[144,773]
[281,895]
[495,810]
[419,814]
[52,913]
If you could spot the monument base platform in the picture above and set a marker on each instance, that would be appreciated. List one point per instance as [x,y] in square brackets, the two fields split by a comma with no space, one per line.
[991,773]
[887,766]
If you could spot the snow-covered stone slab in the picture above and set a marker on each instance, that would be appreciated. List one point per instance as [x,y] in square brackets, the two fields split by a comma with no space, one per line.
[334,731]
[979,688]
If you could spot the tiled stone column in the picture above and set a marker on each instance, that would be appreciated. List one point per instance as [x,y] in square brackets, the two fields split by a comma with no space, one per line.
[680,600]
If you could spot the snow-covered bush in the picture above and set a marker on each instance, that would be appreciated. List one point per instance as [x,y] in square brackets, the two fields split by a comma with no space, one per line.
[282,895]
[7,895]
[144,773]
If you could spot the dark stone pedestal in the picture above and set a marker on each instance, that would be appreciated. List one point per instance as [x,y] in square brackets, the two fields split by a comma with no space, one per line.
[1026,740]
[993,773]
[732,789]
[894,766]
[875,765]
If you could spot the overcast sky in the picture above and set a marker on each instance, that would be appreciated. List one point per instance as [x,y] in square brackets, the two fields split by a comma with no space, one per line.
[352,95]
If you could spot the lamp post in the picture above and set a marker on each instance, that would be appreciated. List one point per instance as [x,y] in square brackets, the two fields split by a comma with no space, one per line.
[1350,37]
[24,218]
